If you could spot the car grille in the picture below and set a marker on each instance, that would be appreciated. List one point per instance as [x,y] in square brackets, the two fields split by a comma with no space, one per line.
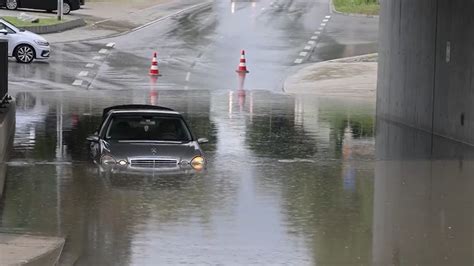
[153,163]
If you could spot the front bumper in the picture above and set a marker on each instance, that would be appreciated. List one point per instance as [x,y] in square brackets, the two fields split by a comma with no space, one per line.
[43,54]
[117,169]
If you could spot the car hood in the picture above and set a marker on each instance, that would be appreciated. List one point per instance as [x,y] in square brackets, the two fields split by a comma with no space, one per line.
[129,150]
[32,36]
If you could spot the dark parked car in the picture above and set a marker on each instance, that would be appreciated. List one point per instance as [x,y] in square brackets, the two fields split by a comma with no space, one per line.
[144,138]
[49,5]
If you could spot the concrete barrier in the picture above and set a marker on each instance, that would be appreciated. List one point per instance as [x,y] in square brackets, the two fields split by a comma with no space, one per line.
[30,250]
[7,133]
[56,28]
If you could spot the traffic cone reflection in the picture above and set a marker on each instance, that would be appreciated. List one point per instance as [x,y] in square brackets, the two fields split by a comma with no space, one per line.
[153,95]
[242,69]
[241,91]
[154,71]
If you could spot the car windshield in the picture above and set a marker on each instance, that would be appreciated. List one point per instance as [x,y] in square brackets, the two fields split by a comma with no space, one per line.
[147,127]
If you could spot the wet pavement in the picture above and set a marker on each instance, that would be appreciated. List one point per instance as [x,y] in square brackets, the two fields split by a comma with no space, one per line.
[290,179]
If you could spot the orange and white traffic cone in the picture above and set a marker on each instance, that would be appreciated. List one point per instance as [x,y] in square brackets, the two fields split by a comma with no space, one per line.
[154,71]
[242,66]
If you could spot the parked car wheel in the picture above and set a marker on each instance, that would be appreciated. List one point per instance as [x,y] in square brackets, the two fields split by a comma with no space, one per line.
[12,4]
[24,54]
[66,8]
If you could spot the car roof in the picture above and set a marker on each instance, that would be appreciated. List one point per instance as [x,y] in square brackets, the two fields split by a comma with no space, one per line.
[138,108]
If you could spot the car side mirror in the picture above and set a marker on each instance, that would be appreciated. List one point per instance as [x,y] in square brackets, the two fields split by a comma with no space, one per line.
[3,31]
[93,138]
[202,140]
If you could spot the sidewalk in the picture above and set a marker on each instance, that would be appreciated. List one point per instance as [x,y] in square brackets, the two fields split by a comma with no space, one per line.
[112,17]
[16,249]
[354,77]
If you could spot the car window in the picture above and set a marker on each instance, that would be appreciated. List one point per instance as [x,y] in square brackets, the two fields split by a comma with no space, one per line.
[5,27]
[139,127]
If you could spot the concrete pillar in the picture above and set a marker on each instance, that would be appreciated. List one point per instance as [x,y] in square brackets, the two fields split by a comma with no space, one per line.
[406,63]
[3,69]
[426,66]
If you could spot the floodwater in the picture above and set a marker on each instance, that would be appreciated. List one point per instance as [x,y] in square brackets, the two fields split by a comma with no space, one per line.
[289,181]
[293,180]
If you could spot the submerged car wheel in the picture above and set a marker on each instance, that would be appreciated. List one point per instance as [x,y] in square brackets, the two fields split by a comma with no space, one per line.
[12,4]
[66,8]
[24,54]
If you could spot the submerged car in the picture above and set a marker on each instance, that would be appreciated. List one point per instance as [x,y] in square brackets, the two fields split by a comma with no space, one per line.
[144,138]
[25,46]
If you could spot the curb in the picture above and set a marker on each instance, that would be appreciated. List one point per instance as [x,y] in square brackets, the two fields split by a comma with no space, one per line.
[333,10]
[339,60]
[68,25]
[51,257]
[50,252]
[344,59]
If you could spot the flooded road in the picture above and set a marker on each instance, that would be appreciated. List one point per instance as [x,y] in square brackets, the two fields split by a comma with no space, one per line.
[289,181]
[293,180]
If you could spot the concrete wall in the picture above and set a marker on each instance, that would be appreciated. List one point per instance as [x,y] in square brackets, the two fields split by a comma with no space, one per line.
[417,85]
[7,133]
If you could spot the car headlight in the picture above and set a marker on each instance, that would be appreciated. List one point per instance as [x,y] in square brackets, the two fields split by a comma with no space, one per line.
[122,162]
[42,43]
[108,160]
[198,163]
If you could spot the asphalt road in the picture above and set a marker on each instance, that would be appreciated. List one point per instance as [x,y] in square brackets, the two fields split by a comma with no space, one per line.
[290,178]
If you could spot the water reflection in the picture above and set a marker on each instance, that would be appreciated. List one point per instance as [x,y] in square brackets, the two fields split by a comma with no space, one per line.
[289,180]
[422,201]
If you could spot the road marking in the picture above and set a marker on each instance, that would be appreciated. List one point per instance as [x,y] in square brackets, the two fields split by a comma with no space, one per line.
[298,61]
[188,76]
[314,37]
[320,28]
[328,17]
[83,73]
[323,24]
[77,82]
[103,51]
[90,65]
[307,47]
[110,45]
[303,53]
[311,42]
[325,20]
[317,32]
[97,57]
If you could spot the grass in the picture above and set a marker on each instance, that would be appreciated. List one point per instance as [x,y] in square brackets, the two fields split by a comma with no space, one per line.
[42,22]
[366,7]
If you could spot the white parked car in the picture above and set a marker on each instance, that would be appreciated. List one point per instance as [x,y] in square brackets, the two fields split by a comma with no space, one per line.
[24,45]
